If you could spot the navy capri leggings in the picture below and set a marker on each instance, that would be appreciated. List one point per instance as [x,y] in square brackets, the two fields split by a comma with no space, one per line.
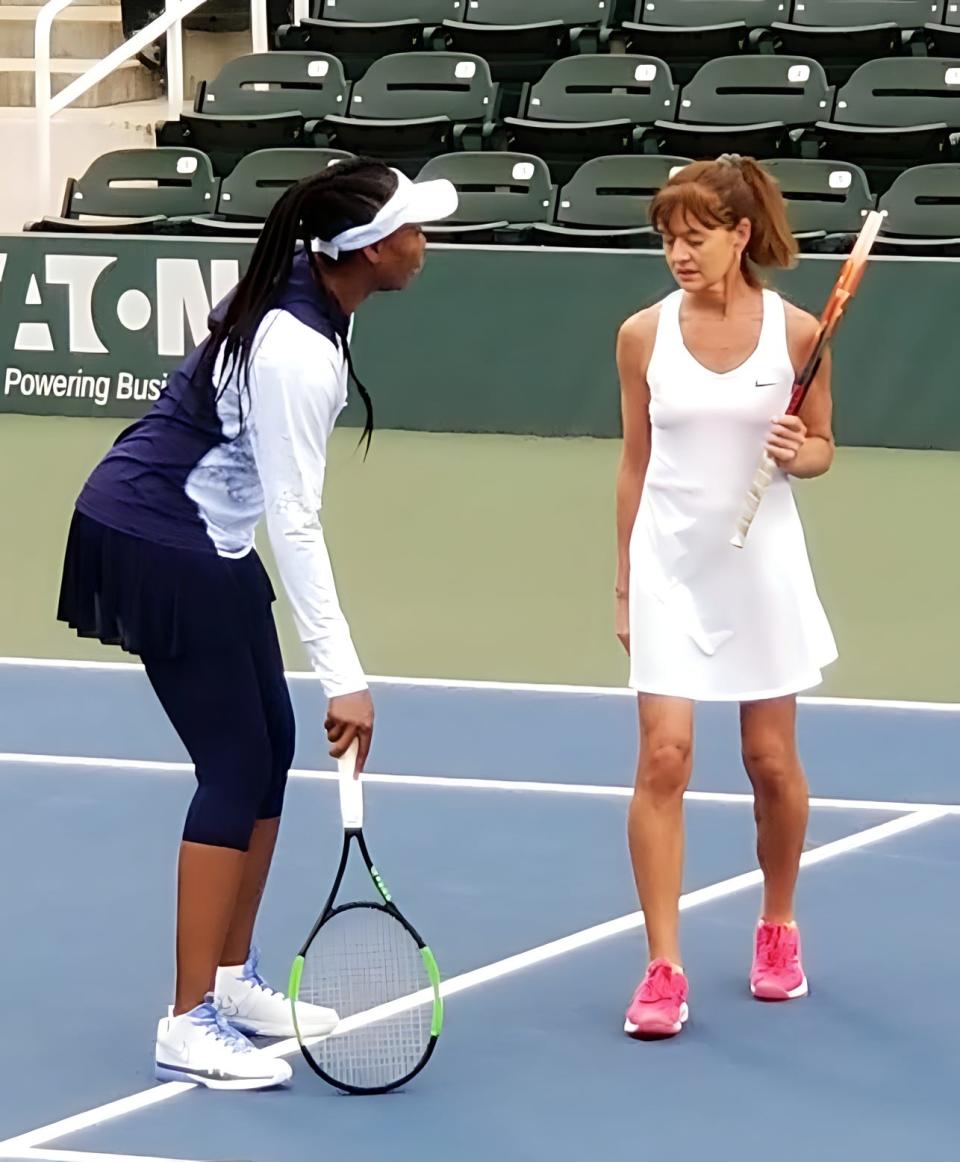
[203,626]
[231,709]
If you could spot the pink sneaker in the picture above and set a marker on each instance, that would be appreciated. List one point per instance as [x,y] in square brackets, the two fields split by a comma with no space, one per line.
[659,1006]
[777,974]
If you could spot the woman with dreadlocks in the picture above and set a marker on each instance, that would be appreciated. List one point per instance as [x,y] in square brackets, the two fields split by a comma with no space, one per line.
[160,560]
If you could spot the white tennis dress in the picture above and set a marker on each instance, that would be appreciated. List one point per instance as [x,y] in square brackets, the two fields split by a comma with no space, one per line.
[707,621]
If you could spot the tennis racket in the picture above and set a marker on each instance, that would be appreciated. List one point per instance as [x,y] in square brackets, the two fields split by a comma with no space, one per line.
[365,960]
[843,291]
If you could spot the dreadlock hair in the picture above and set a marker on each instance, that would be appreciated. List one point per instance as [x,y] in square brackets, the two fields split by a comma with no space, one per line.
[348,193]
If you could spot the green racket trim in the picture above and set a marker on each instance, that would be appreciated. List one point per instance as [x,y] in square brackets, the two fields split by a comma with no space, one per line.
[380,885]
[293,990]
[433,972]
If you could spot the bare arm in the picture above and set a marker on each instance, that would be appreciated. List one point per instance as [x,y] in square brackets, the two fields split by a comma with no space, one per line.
[634,346]
[803,445]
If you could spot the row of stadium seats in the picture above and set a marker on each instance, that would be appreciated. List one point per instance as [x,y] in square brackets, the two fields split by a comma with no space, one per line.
[505,198]
[892,113]
[519,40]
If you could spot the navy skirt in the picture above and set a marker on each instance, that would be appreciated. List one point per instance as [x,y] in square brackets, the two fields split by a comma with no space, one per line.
[153,600]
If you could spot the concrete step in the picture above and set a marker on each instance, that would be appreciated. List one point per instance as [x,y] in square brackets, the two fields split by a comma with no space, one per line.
[84,33]
[130,82]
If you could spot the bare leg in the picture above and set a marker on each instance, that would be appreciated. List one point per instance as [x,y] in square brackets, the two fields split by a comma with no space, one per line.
[256,867]
[208,881]
[655,820]
[781,808]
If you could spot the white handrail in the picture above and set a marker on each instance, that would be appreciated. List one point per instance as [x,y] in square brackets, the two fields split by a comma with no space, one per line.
[169,23]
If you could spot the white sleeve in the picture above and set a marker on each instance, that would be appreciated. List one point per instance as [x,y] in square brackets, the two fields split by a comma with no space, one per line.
[296,395]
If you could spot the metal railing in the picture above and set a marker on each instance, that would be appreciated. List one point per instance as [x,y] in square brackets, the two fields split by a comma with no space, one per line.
[168,23]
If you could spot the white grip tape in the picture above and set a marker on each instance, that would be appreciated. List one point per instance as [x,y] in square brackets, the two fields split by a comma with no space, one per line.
[761,482]
[351,790]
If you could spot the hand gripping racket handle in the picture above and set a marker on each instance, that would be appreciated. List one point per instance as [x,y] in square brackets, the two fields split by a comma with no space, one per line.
[761,482]
[351,790]
[844,288]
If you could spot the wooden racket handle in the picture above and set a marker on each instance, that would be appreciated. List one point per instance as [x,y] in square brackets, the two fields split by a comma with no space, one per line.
[761,482]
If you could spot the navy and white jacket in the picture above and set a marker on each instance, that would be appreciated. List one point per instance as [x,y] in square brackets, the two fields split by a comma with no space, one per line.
[188,476]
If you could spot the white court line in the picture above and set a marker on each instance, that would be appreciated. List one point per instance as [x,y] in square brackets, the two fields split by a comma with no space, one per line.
[87,1156]
[150,766]
[478,684]
[43,1135]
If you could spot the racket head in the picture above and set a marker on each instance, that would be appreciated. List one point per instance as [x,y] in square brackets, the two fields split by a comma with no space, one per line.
[370,965]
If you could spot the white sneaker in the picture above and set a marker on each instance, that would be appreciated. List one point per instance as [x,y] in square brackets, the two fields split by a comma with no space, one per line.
[200,1046]
[250,1005]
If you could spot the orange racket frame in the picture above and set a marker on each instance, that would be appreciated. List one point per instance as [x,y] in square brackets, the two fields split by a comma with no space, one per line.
[843,291]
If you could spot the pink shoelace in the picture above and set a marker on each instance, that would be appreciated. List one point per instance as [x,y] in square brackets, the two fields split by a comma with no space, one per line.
[777,946]
[658,984]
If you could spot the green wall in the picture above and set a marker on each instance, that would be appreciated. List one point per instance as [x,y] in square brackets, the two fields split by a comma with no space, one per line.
[504,341]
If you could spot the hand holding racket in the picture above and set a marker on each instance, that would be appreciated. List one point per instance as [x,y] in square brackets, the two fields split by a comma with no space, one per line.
[349,721]
[366,961]
[844,288]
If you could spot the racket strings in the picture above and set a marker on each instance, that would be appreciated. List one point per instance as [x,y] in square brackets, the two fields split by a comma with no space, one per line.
[360,959]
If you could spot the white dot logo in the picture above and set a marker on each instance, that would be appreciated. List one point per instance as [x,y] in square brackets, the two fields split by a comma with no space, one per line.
[134,310]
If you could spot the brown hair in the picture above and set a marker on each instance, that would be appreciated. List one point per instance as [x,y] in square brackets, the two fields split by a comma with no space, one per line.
[721,193]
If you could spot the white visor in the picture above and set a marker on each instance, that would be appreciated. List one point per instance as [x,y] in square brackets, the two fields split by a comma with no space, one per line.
[412,203]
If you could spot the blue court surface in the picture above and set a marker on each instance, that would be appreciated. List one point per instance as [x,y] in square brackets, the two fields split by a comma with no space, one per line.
[498,817]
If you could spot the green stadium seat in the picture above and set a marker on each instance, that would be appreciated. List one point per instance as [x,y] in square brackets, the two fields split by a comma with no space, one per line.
[275,82]
[826,200]
[923,212]
[248,195]
[892,114]
[606,203]
[501,194]
[414,106]
[689,33]
[259,101]
[589,106]
[137,191]
[359,32]
[746,104]
[942,33]
[843,34]
[521,40]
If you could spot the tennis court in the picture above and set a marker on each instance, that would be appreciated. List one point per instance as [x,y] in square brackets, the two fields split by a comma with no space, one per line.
[498,819]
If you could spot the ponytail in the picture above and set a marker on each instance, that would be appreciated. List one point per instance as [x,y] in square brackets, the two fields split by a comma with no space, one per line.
[346,194]
[723,193]
[771,240]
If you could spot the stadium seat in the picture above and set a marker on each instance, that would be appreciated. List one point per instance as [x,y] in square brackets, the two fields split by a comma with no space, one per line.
[413,106]
[843,34]
[137,191]
[248,195]
[606,203]
[259,101]
[359,32]
[522,39]
[923,212]
[589,106]
[689,33]
[746,104]
[826,200]
[500,195]
[942,34]
[892,114]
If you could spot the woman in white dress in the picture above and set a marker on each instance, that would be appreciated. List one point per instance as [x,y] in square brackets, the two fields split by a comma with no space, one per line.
[706,375]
